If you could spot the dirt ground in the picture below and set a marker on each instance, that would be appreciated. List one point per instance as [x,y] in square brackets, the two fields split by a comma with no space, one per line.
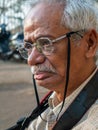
[17,97]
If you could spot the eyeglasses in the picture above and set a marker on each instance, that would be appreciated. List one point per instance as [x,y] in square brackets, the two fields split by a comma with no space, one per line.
[44,45]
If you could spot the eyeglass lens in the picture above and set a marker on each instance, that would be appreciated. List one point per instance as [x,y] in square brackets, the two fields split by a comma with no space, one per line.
[43,45]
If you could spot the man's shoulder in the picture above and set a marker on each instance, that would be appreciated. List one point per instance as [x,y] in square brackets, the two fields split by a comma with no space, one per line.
[90,119]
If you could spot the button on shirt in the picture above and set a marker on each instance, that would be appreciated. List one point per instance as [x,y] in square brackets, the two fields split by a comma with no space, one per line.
[48,118]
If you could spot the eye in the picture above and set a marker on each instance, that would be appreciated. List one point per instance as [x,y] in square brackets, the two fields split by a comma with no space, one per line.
[27,45]
[45,45]
[44,42]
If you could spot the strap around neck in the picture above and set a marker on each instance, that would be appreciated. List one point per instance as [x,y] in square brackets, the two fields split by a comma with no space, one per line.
[79,106]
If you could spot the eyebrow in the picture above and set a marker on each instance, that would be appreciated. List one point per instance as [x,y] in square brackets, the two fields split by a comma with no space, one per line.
[40,36]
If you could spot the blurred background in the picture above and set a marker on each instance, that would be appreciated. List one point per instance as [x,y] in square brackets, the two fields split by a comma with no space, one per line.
[12,14]
[17,97]
[16,88]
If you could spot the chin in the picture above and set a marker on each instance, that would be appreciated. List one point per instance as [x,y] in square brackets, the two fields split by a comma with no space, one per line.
[48,85]
[42,83]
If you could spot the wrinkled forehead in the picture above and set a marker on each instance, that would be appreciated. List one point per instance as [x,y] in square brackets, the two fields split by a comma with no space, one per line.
[44,12]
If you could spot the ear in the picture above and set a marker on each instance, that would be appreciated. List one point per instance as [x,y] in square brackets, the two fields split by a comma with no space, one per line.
[92,40]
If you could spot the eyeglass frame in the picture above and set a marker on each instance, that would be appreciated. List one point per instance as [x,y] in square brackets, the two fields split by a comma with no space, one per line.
[51,41]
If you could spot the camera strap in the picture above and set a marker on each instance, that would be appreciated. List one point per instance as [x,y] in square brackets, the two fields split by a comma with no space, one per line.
[79,106]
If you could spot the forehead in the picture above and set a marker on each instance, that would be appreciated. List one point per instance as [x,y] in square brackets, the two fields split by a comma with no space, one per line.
[44,16]
[45,11]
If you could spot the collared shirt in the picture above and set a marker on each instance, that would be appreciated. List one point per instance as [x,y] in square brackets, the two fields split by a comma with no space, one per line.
[48,118]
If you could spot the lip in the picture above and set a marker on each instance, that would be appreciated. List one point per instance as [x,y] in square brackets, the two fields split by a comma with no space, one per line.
[41,75]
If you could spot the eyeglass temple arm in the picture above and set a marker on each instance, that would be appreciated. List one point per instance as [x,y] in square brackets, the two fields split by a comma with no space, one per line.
[67,35]
[59,38]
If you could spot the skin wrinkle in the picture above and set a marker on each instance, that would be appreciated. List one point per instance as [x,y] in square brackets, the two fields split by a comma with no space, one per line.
[79,59]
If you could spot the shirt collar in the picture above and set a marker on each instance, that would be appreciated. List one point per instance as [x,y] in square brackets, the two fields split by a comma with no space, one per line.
[54,103]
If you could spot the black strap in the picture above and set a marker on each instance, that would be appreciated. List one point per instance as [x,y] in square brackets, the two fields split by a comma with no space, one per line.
[79,106]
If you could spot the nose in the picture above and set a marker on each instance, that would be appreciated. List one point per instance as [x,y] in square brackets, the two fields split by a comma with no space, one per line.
[35,58]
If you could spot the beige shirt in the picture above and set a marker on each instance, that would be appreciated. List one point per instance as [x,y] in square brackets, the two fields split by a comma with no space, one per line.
[88,122]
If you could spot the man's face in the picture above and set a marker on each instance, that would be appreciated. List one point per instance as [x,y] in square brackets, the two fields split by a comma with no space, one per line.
[44,21]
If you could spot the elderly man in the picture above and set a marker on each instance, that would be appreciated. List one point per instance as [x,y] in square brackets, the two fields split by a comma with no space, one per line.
[60,43]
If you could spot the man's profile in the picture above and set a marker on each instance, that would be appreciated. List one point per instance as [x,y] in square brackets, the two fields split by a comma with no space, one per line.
[60,44]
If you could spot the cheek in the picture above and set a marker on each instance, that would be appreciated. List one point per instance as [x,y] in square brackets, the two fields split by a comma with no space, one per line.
[61,60]
[59,63]
[61,68]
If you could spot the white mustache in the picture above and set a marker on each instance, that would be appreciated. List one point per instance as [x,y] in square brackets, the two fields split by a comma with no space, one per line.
[43,67]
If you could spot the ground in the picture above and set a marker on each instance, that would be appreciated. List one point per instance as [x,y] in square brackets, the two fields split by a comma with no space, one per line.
[17,98]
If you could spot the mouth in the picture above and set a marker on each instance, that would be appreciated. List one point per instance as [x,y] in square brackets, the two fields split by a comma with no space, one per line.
[42,75]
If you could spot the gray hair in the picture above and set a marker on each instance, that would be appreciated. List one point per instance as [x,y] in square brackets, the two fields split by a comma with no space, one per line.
[78,14]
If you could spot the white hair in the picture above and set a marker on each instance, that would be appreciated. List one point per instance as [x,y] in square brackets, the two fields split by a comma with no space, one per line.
[78,14]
